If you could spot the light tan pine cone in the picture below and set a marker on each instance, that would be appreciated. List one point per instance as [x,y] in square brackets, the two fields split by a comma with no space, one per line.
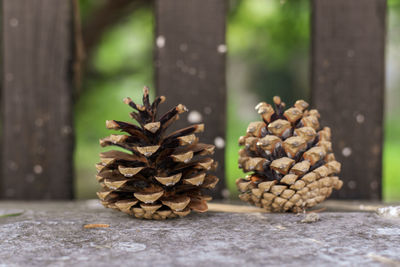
[290,159]
[158,175]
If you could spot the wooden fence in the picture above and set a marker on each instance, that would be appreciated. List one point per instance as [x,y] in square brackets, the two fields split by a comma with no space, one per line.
[348,41]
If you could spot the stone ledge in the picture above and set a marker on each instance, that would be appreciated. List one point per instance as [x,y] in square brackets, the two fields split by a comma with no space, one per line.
[52,233]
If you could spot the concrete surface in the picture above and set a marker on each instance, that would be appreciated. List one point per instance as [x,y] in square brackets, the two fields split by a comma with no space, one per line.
[53,234]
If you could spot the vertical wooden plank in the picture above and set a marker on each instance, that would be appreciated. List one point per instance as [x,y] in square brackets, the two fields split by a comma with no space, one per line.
[348,42]
[37,139]
[190,66]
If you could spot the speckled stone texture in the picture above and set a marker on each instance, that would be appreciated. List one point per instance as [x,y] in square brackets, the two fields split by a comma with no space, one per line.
[53,234]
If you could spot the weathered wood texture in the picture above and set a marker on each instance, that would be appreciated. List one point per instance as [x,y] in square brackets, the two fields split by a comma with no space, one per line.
[37,139]
[348,41]
[190,66]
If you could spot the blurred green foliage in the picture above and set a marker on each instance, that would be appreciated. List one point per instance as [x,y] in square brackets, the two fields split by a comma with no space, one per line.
[120,67]
[272,39]
[391,160]
[268,44]
[391,152]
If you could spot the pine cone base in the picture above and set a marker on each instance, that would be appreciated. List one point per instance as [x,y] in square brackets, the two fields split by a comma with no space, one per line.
[281,197]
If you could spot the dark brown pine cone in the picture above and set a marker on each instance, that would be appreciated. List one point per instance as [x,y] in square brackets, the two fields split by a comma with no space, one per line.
[290,159]
[158,175]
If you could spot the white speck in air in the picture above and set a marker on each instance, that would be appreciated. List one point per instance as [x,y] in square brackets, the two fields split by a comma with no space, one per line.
[222,48]
[219,142]
[346,151]
[160,41]
[37,169]
[225,193]
[195,116]
[360,118]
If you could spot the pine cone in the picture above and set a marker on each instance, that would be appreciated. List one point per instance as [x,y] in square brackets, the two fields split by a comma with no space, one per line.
[290,158]
[160,175]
